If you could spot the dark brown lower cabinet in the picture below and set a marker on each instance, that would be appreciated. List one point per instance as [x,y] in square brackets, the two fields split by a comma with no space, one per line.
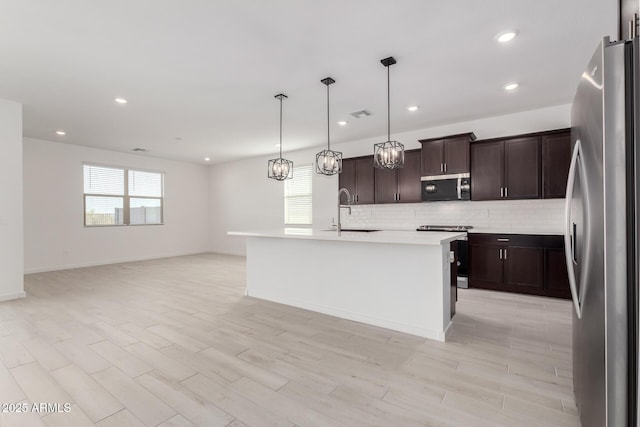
[522,263]
[523,269]
[486,264]
[556,276]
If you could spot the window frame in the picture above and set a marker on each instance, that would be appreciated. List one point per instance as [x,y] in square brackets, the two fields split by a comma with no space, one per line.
[126,198]
[310,194]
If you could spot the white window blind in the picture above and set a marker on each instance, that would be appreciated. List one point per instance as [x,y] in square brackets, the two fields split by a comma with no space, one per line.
[298,196]
[117,196]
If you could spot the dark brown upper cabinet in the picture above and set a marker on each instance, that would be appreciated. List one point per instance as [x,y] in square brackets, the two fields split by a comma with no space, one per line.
[447,155]
[506,169]
[530,166]
[556,157]
[400,185]
[357,176]
[522,168]
[487,170]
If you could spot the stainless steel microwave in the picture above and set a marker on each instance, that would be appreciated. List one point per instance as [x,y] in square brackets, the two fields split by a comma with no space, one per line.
[446,187]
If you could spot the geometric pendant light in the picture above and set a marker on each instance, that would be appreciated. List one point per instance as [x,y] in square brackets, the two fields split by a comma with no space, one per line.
[328,162]
[388,154]
[280,169]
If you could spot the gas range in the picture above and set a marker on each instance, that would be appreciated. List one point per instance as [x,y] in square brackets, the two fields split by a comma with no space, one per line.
[458,228]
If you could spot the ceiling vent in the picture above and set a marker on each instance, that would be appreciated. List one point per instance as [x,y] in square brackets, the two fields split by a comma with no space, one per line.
[140,150]
[360,114]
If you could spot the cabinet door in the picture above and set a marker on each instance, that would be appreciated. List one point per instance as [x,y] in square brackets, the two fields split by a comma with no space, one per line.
[432,157]
[556,280]
[486,170]
[456,155]
[409,185]
[365,193]
[556,157]
[386,184]
[347,178]
[522,168]
[485,267]
[523,269]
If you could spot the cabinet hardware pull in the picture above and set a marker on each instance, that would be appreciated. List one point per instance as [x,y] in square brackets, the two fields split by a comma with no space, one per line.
[500,253]
[445,167]
[506,192]
[505,254]
[441,167]
[503,240]
[501,192]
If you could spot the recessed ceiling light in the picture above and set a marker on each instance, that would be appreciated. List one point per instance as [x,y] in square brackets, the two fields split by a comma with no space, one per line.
[342,123]
[121,100]
[506,36]
[413,107]
[206,159]
[61,132]
[511,86]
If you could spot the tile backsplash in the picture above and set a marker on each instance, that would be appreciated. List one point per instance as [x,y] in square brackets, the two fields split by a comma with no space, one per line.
[509,216]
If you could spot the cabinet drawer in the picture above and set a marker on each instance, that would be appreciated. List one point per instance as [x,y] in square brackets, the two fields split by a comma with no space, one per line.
[527,240]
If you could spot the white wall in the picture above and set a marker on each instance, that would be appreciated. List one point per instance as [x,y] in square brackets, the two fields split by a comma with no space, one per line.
[243,198]
[11,238]
[55,237]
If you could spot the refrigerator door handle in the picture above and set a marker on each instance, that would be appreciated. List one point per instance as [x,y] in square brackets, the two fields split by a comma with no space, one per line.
[569,238]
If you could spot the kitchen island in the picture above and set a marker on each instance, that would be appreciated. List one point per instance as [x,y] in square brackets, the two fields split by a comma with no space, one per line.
[398,280]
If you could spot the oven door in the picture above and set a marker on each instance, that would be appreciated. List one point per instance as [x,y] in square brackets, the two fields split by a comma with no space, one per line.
[446,187]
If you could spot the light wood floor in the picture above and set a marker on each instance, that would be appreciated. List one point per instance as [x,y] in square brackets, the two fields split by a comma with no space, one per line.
[174,342]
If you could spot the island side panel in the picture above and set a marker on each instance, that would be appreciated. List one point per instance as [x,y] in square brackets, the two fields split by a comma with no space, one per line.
[396,286]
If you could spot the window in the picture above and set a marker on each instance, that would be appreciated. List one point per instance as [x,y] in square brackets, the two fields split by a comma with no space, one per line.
[115,196]
[298,196]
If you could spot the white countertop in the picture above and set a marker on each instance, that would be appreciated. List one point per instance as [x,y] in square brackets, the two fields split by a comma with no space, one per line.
[383,236]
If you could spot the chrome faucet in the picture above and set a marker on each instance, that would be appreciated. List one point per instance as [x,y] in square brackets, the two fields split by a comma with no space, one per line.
[348,206]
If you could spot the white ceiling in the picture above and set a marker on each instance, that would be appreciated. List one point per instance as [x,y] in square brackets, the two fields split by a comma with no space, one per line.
[207,71]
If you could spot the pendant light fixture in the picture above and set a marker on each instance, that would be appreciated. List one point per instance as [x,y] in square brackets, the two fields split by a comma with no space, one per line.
[280,169]
[388,154]
[328,162]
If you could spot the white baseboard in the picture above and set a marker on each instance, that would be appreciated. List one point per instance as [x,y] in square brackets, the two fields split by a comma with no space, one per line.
[16,295]
[111,261]
[234,253]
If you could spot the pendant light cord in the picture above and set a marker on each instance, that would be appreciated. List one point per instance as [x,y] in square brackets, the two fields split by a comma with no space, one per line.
[328,120]
[388,106]
[280,126]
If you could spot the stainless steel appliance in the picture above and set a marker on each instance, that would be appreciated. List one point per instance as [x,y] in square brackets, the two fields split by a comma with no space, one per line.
[463,250]
[446,187]
[601,238]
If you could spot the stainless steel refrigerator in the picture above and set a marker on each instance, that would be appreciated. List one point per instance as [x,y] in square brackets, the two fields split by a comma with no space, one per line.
[601,238]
